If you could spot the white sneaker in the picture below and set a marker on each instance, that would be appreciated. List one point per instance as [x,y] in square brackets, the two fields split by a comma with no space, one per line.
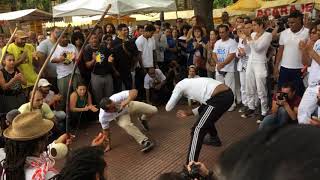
[232,108]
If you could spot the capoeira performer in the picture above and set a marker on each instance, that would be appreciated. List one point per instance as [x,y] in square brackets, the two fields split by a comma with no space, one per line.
[215,98]
[120,107]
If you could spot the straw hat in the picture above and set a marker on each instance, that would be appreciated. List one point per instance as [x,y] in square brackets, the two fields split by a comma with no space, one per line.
[21,34]
[28,126]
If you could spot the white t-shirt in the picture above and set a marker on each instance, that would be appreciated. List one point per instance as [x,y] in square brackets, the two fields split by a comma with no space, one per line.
[64,69]
[146,46]
[152,82]
[259,47]
[292,57]
[222,50]
[242,63]
[106,117]
[199,89]
[314,69]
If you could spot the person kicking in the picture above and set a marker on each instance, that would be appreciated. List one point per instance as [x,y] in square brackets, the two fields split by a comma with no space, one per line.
[120,107]
[215,98]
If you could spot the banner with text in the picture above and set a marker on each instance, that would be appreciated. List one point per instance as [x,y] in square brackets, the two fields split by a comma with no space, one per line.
[285,10]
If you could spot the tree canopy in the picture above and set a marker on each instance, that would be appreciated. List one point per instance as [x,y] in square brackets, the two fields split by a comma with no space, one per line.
[45,5]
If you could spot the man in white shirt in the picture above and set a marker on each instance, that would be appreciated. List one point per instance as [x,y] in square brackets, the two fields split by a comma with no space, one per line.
[243,53]
[120,107]
[64,56]
[224,54]
[289,57]
[309,102]
[215,98]
[154,84]
[146,45]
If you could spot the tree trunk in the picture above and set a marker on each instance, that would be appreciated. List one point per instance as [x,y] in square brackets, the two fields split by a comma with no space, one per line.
[204,9]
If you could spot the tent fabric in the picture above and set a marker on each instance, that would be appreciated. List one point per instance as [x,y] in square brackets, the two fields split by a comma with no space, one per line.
[121,7]
[26,15]
[270,4]
[245,5]
[188,14]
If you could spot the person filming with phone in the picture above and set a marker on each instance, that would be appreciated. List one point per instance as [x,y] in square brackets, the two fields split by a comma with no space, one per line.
[285,105]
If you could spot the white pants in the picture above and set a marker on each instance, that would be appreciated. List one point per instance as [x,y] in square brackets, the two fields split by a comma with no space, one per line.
[227,79]
[308,104]
[244,98]
[256,77]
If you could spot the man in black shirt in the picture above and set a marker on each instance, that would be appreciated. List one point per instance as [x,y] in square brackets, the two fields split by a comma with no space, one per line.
[125,58]
[97,59]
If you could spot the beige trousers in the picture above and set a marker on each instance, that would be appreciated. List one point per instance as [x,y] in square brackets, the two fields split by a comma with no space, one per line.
[140,108]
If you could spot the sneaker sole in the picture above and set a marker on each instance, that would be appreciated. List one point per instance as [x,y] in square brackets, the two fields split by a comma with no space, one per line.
[147,149]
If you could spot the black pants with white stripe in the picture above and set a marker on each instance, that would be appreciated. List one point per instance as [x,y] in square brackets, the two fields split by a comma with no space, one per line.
[208,115]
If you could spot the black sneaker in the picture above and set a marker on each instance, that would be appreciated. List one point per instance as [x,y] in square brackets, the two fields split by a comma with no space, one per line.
[144,124]
[248,113]
[243,109]
[213,141]
[260,118]
[147,146]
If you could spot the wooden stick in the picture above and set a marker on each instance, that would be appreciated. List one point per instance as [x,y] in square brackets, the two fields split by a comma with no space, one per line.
[76,64]
[6,47]
[45,65]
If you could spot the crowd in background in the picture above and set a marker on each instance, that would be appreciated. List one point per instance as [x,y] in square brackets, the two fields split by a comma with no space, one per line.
[271,64]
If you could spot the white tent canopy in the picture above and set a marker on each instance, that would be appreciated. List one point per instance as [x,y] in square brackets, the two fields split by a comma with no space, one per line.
[121,7]
[25,15]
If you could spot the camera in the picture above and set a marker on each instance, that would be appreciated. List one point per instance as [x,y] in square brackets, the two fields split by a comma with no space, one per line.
[194,173]
[282,96]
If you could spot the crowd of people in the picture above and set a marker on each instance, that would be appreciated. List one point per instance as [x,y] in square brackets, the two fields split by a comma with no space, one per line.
[265,68]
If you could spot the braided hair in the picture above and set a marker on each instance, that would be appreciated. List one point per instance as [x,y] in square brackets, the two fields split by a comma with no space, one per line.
[83,164]
[16,154]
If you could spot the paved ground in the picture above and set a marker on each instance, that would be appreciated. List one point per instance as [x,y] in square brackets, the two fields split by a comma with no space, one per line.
[126,162]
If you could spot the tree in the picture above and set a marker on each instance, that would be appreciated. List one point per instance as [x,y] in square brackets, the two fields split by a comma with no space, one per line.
[30,4]
[204,9]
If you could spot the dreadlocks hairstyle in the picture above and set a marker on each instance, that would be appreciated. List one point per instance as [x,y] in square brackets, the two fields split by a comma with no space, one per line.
[16,154]
[83,164]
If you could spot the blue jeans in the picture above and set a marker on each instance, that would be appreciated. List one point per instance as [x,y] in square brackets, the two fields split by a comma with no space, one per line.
[278,119]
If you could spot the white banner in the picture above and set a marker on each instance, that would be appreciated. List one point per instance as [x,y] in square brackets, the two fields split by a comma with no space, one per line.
[285,10]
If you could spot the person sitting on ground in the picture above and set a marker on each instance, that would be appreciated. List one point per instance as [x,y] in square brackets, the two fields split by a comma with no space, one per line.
[38,106]
[51,98]
[154,84]
[11,81]
[8,121]
[284,107]
[192,72]
[81,104]
[120,107]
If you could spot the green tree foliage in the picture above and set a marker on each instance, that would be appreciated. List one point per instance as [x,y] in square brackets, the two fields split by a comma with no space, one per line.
[221,3]
[31,4]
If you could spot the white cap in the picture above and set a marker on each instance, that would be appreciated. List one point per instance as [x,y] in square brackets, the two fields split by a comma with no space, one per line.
[43,83]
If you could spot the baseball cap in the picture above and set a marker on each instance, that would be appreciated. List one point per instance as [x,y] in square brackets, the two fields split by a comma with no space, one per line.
[43,83]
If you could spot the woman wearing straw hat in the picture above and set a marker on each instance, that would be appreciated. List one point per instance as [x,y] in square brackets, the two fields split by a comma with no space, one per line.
[24,155]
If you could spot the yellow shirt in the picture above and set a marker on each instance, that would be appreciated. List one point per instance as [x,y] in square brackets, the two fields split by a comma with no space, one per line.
[45,110]
[27,68]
